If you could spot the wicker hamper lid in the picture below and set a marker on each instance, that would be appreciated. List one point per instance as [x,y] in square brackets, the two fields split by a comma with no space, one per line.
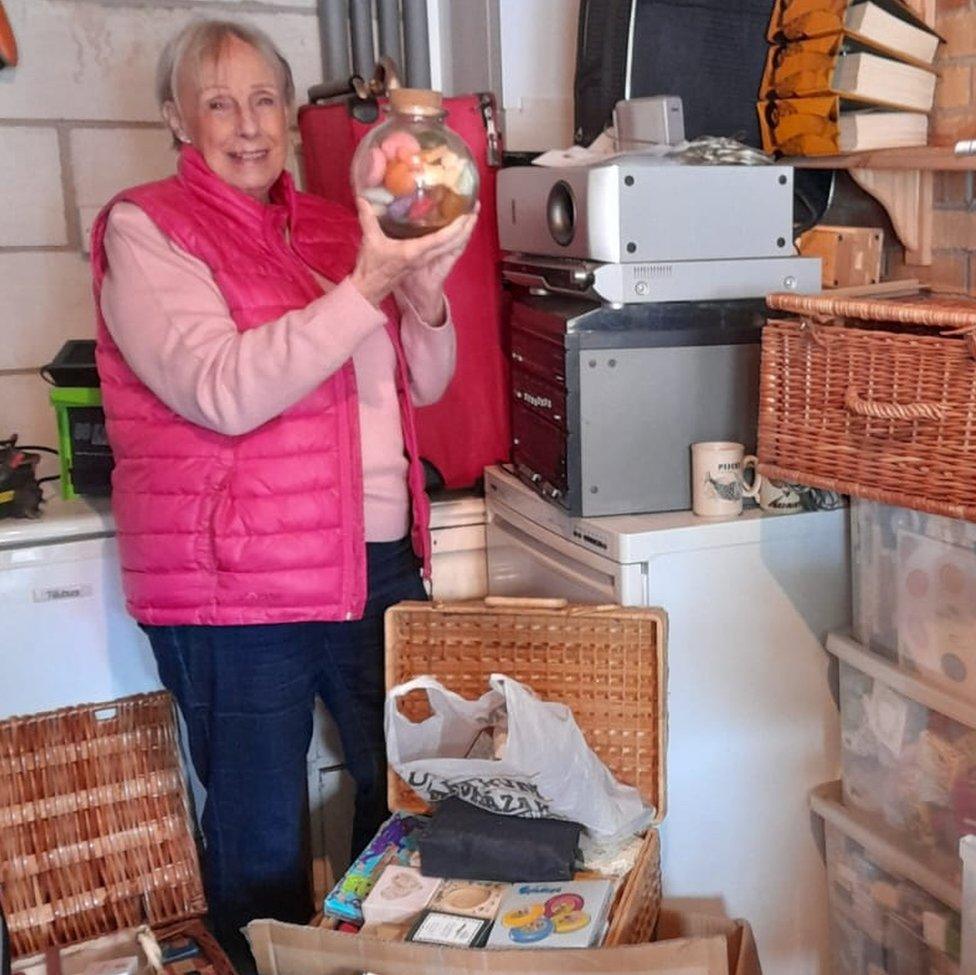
[95,824]
[943,312]
[607,664]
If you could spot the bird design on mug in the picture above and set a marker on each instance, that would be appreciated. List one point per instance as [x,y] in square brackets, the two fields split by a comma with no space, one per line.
[727,491]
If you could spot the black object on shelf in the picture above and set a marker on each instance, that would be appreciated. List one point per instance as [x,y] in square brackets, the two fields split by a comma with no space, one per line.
[74,365]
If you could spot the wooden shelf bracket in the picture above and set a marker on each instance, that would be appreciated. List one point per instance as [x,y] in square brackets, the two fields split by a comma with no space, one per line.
[907,196]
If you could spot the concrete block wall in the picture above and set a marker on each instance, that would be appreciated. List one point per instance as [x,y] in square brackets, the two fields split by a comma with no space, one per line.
[78,122]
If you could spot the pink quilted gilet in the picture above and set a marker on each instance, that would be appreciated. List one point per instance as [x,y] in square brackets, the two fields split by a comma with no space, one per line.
[265,527]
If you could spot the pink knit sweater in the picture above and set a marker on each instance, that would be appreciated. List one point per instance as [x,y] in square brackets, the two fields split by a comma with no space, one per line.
[173,326]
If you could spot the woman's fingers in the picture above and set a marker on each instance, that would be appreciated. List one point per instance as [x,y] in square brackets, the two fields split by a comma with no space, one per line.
[367,219]
[394,258]
[451,239]
[455,244]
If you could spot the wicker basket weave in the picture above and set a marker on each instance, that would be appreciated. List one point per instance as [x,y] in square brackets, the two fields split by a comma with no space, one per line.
[873,398]
[95,827]
[607,664]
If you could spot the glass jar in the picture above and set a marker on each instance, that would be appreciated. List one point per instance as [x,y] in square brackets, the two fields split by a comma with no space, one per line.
[415,172]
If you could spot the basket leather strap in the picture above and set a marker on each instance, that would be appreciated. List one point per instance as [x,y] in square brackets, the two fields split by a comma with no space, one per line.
[872,409]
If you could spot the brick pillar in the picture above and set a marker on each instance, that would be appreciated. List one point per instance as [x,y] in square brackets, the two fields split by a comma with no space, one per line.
[954,118]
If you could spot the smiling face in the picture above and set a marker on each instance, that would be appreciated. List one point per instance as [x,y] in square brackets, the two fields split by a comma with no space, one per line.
[233,110]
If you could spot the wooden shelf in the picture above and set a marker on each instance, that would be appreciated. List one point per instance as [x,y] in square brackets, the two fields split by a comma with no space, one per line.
[901,180]
[935,158]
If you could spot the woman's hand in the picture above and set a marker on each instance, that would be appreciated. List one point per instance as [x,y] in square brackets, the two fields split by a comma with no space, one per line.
[415,268]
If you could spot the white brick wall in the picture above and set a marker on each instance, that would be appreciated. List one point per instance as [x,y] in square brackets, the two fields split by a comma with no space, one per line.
[81,59]
[32,201]
[104,161]
[46,298]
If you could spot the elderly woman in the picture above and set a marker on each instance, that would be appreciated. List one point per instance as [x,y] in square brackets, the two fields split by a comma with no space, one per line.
[261,354]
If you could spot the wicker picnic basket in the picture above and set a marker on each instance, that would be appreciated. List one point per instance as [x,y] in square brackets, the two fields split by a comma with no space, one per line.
[873,398]
[608,664]
[95,827]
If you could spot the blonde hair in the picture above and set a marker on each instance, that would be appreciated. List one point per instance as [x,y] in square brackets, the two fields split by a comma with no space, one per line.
[203,40]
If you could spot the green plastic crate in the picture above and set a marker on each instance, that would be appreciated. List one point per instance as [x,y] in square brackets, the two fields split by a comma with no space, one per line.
[86,458]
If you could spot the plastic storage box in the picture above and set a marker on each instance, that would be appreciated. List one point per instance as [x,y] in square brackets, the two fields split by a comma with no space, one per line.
[912,766]
[883,924]
[915,592]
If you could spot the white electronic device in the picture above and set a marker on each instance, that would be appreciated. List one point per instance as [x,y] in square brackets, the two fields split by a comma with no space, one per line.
[641,208]
[664,281]
[642,122]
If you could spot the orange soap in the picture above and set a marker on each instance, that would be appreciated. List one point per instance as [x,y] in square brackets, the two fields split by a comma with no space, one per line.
[399,180]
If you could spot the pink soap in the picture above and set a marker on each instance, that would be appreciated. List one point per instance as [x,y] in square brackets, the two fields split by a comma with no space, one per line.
[399,140]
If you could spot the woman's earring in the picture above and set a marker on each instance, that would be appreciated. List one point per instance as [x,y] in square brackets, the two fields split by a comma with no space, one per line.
[184,138]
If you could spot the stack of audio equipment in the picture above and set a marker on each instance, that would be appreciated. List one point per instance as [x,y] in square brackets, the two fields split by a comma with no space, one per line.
[638,308]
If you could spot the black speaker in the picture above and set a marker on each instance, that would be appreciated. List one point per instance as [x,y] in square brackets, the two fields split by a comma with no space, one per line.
[710,53]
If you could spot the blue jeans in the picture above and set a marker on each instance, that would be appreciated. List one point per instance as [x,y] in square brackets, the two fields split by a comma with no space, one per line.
[246,694]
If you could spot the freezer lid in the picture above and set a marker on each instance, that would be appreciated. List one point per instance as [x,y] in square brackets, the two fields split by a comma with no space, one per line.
[628,539]
[60,521]
[65,521]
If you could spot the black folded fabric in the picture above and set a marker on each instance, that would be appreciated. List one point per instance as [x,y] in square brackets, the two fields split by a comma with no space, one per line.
[464,842]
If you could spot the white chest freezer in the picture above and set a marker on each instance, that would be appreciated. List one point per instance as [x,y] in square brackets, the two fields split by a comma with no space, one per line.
[752,721]
[65,637]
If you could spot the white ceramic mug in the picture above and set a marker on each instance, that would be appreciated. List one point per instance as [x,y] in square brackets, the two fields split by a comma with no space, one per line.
[718,487]
[778,497]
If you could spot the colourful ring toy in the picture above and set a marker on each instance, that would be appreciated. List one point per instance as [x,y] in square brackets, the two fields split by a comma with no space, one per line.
[563,904]
[536,930]
[569,921]
[522,916]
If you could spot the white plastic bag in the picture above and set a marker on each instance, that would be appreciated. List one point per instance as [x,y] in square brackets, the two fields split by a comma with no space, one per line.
[545,768]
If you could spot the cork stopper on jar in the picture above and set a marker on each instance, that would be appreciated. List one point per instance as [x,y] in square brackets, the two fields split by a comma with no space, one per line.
[416,101]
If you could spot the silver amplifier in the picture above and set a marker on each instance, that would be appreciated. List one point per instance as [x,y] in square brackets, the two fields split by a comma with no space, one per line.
[633,283]
[641,208]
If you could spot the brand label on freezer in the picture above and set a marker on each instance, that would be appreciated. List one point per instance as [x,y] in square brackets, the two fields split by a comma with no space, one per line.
[62,592]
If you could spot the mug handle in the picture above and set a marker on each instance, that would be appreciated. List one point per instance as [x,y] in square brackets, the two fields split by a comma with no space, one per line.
[751,491]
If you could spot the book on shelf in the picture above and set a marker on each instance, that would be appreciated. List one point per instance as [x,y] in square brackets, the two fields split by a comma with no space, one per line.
[894,33]
[891,26]
[875,129]
[836,65]
[823,126]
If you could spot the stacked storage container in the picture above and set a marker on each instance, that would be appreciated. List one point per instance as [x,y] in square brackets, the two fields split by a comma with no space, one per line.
[907,796]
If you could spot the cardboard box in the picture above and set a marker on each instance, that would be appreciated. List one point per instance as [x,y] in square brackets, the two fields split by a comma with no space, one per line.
[690,944]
